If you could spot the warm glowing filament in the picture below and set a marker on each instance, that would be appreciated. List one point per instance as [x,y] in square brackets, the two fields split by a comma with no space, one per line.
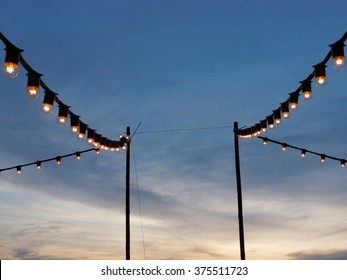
[339,61]
[10,69]
[46,108]
[321,81]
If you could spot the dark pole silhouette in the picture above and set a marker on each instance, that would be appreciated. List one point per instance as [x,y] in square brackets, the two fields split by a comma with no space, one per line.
[127,197]
[239,192]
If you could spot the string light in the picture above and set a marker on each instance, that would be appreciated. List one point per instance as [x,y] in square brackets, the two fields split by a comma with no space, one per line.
[322,158]
[19,169]
[306,89]
[63,114]
[304,151]
[48,100]
[293,101]
[74,123]
[33,85]
[58,160]
[11,65]
[10,68]
[285,110]
[338,54]
[338,58]
[319,74]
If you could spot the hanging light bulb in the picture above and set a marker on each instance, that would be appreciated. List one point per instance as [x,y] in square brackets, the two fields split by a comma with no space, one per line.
[338,54]
[48,101]
[265,141]
[74,123]
[90,136]
[343,163]
[285,110]
[97,151]
[33,85]
[63,114]
[322,158]
[277,116]
[306,90]
[263,126]
[103,143]
[319,73]
[303,153]
[19,169]
[284,147]
[78,155]
[11,65]
[38,164]
[58,160]
[96,142]
[270,121]
[82,131]
[293,101]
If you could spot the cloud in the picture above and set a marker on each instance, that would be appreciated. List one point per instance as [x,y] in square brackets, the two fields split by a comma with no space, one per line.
[319,255]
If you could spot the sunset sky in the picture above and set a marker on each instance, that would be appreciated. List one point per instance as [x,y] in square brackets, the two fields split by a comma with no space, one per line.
[174,65]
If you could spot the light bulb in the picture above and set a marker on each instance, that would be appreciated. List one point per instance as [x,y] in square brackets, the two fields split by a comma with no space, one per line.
[32,91]
[78,155]
[48,101]
[33,85]
[38,165]
[10,69]
[284,147]
[321,81]
[265,141]
[46,108]
[303,153]
[11,65]
[343,163]
[339,61]
[322,158]
[338,54]
[19,170]
[61,120]
[307,95]
[58,160]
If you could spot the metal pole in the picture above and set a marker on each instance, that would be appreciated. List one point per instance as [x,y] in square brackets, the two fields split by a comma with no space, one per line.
[127,197]
[239,192]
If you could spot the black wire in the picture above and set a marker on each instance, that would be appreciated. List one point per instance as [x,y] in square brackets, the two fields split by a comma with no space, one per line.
[184,129]
[46,160]
[306,151]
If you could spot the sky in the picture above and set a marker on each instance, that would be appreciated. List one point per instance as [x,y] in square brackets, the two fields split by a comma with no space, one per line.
[174,65]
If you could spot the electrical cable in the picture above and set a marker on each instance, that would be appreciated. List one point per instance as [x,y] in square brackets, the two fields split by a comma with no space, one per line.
[304,151]
[139,200]
[39,162]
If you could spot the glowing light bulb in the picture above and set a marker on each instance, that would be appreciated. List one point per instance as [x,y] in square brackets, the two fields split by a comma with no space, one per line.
[48,101]
[46,108]
[322,158]
[38,165]
[19,170]
[10,69]
[343,163]
[284,147]
[78,155]
[321,81]
[61,120]
[58,160]
[339,61]
[303,153]
[32,91]
[265,141]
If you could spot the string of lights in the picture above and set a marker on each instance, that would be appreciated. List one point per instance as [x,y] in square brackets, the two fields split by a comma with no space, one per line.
[79,128]
[303,151]
[58,160]
[291,104]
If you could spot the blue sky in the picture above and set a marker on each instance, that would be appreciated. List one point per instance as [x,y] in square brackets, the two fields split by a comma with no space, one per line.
[169,65]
